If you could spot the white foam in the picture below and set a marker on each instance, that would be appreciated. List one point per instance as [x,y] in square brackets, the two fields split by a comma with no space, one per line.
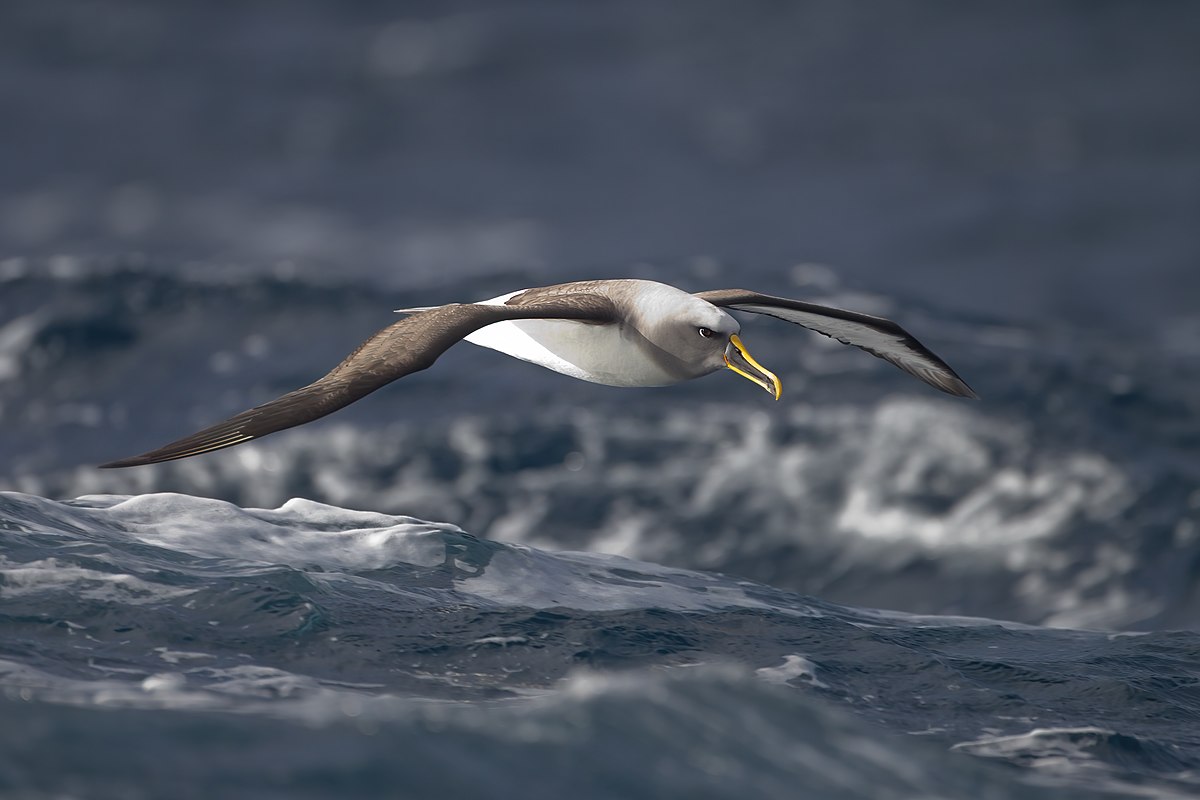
[1044,747]
[15,340]
[299,534]
[29,578]
[246,688]
[916,448]
[792,668]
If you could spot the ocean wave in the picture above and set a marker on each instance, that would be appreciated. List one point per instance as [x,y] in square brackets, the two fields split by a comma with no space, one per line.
[1066,497]
[1084,755]
[842,502]
[710,733]
[165,609]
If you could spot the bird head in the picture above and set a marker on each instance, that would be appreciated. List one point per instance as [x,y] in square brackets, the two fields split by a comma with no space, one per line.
[707,338]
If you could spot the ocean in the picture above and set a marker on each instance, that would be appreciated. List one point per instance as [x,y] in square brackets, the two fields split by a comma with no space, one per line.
[489,580]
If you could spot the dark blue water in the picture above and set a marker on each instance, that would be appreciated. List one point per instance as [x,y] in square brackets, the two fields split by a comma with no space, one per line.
[489,580]
[167,644]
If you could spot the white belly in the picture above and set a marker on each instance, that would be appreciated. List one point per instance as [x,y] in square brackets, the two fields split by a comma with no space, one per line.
[590,352]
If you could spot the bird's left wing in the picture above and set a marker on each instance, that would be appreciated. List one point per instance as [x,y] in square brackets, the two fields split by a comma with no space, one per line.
[878,336]
[408,346]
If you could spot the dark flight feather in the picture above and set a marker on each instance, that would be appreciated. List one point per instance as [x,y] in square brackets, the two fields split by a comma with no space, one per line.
[408,346]
[878,336]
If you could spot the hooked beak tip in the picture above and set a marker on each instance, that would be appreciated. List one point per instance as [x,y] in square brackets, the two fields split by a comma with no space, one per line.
[740,361]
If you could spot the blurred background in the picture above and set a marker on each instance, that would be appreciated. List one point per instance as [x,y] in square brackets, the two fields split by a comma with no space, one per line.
[204,205]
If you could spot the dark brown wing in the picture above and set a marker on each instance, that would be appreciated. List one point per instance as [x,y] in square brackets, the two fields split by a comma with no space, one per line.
[408,346]
[878,336]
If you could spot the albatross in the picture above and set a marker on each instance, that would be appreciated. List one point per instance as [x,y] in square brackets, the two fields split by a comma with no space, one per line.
[614,332]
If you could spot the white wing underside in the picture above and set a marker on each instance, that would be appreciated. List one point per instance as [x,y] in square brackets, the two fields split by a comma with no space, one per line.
[589,352]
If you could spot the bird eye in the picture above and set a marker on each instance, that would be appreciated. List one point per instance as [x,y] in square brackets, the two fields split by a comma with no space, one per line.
[706,333]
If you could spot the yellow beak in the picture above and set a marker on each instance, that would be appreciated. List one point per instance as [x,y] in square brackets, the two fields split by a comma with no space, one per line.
[741,362]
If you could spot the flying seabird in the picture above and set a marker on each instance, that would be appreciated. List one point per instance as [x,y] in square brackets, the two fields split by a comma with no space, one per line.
[614,332]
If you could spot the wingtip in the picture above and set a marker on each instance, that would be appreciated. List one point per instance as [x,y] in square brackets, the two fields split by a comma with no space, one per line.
[960,389]
[133,461]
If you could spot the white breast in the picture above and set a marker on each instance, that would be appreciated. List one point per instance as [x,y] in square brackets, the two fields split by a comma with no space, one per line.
[597,353]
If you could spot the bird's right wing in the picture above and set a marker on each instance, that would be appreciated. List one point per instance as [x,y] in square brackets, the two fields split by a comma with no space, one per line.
[878,336]
[408,346]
